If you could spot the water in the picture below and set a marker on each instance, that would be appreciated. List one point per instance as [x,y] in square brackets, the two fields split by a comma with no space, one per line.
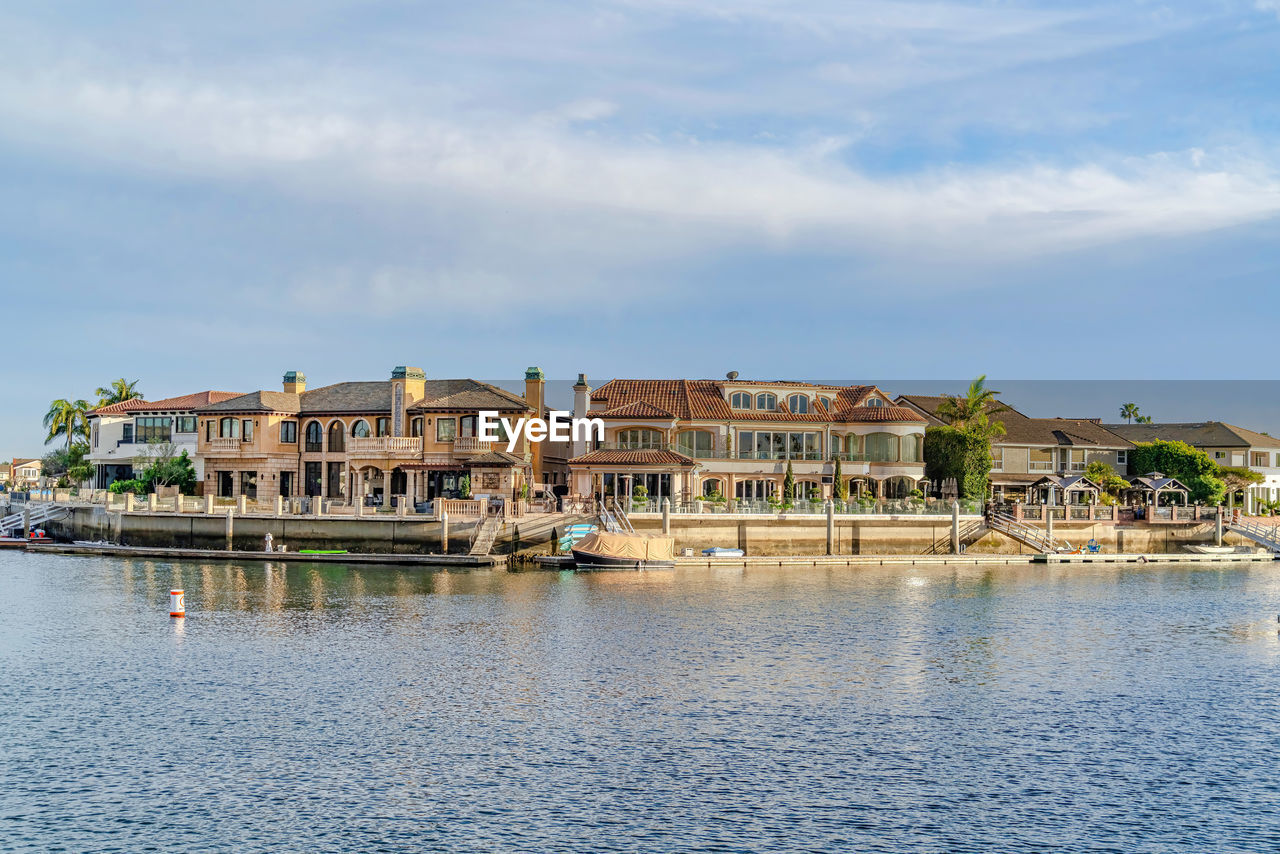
[321,708]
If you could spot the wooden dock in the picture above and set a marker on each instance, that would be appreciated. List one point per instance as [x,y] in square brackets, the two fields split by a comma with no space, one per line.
[441,561]
[1257,557]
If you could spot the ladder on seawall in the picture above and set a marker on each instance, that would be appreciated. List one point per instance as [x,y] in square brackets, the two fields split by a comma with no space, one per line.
[40,513]
[614,518]
[486,534]
[1268,538]
[1022,532]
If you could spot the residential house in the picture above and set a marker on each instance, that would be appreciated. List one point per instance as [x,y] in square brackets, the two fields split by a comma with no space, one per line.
[407,437]
[123,436]
[24,474]
[684,439]
[1032,448]
[1226,444]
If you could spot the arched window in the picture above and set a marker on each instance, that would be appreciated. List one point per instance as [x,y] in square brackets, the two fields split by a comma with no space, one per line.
[711,486]
[798,403]
[807,490]
[415,428]
[826,401]
[754,490]
[315,436]
[766,401]
[882,448]
[698,444]
[336,440]
[229,428]
[874,401]
[837,446]
[740,400]
[640,439]
[911,448]
[360,429]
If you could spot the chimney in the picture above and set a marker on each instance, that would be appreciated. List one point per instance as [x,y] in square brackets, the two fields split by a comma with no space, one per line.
[581,405]
[535,388]
[295,382]
[408,387]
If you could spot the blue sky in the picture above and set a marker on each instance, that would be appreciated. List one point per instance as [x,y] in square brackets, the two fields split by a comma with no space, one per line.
[204,195]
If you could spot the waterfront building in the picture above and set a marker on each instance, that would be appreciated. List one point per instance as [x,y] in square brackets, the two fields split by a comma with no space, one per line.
[122,436]
[687,439]
[1032,448]
[1226,445]
[379,441]
[24,474]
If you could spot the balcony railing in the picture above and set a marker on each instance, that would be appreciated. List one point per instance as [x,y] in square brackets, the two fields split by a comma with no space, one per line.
[471,445]
[225,444]
[723,454]
[384,446]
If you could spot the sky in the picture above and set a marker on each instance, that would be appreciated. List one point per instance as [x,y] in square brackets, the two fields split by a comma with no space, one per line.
[204,195]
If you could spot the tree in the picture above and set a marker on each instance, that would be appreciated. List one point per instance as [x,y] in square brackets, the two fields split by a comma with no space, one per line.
[1142,419]
[167,467]
[67,418]
[1236,478]
[1129,411]
[841,489]
[119,390]
[960,454]
[1105,477]
[976,406]
[1181,462]
[789,486]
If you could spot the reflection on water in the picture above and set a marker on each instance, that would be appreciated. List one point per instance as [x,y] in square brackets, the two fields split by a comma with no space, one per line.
[327,708]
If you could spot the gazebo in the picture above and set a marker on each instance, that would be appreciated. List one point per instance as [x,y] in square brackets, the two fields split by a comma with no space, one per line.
[1148,488]
[1076,489]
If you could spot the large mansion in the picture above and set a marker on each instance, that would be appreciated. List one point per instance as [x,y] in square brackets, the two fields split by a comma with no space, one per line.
[405,438]
[684,439]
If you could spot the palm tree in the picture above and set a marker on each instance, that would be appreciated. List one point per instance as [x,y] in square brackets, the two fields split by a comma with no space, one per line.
[1143,419]
[1129,411]
[119,390]
[973,409]
[67,418]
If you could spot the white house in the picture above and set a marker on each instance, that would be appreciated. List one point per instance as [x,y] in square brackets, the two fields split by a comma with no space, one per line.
[121,435]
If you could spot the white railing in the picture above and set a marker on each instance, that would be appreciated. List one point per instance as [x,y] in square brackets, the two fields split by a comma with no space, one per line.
[459,506]
[384,446]
[224,444]
[471,445]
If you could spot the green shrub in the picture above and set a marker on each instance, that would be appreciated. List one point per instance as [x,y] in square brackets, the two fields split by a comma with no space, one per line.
[952,453]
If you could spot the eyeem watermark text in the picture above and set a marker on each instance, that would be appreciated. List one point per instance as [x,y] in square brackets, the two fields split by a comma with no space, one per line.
[560,427]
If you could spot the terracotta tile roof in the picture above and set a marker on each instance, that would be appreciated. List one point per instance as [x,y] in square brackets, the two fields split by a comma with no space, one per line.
[373,397]
[705,400]
[1205,434]
[498,458]
[632,458]
[1021,430]
[168,404]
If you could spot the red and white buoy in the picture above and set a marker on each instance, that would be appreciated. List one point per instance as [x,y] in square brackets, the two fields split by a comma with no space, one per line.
[177,603]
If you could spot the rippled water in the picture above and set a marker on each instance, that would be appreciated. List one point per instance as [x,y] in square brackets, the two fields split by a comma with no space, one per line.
[321,708]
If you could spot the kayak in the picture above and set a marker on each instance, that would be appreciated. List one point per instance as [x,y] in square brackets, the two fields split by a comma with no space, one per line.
[322,551]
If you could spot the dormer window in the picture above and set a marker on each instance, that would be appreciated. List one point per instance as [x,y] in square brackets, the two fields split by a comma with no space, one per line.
[740,400]
[798,403]
[874,401]
[767,402]
[826,401]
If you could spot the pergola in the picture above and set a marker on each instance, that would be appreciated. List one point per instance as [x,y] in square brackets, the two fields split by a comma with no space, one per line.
[1148,488]
[1076,489]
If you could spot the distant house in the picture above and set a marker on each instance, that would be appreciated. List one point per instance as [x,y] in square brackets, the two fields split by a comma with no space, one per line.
[1226,445]
[1032,448]
[24,474]
[122,435]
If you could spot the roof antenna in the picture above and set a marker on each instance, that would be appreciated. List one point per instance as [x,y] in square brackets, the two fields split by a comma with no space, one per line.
[732,375]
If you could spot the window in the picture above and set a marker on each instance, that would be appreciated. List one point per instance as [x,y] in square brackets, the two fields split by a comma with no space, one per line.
[766,401]
[807,490]
[382,427]
[740,400]
[1122,458]
[315,436]
[1041,459]
[446,429]
[335,476]
[997,459]
[874,401]
[1075,460]
[226,484]
[286,484]
[415,428]
[762,445]
[467,426]
[639,439]
[126,435]
[246,433]
[360,430]
[249,484]
[798,403]
[710,486]
[826,401]
[289,432]
[337,439]
[229,428]
[882,448]
[698,444]
[911,448]
[311,477]
[208,430]
[753,490]
[95,434]
[152,429]
[184,424]
[1260,459]
[1217,455]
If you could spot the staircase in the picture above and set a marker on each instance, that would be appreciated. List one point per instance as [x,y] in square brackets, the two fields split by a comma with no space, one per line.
[1268,538]
[969,534]
[11,525]
[1022,532]
[614,518]
[486,533]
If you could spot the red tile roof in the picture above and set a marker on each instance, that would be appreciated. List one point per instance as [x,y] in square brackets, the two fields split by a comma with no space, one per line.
[705,400]
[169,404]
[632,458]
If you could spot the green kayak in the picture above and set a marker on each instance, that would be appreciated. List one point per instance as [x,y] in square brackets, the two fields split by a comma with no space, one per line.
[322,551]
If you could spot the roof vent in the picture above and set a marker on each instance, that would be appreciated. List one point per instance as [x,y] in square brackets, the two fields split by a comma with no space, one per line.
[732,375]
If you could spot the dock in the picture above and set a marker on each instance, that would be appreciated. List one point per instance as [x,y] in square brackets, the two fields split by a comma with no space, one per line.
[152,552]
[1257,557]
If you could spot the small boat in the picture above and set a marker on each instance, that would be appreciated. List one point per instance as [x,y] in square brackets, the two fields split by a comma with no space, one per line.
[604,551]
[1222,550]
[322,551]
[716,551]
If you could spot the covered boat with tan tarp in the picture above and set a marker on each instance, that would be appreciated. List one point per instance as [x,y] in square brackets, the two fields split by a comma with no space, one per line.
[604,550]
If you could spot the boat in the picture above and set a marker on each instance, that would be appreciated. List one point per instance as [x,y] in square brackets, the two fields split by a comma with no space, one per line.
[1222,550]
[717,551]
[322,551]
[616,551]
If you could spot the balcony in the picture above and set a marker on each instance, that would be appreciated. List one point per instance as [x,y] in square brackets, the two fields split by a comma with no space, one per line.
[226,445]
[384,447]
[466,446]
